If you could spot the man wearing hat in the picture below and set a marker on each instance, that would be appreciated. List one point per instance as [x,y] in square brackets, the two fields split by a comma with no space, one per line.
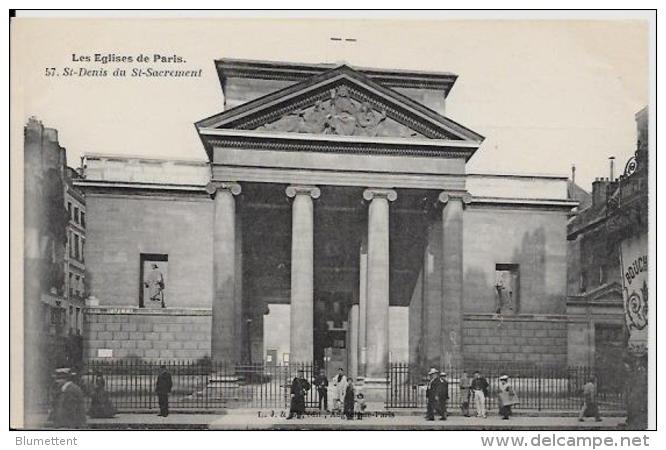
[299,386]
[432,394]
[163,387]
[443,394]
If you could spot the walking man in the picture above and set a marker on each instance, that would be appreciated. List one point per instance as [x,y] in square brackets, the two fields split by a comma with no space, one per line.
[443,394]
[465,393]
[479,388]
[590,407]
[163,388]
[432,394]
[322,390]
[299,386]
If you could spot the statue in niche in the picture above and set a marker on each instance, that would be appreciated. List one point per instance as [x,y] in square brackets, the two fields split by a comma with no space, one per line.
[505,285]
[154,284]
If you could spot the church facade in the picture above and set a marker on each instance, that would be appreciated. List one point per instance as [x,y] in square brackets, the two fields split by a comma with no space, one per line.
[335,223]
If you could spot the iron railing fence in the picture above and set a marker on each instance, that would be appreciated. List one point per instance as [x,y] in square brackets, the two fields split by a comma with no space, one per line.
[538,388]
[204,385]
[200,385]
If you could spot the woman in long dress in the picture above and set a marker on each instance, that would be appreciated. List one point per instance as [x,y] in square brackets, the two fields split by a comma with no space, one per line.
[101,406]
[507,397]
[340,385]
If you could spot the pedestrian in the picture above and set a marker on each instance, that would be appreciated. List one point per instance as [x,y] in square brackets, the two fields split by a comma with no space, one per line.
[590,408]
[100,405]
[163,388]
[479,388]
[340,385]
[443,394]
[507,397]
[69,408]
[360,405]
[432,392]
[299,386]
[465,393]
[321,382]
[350,397]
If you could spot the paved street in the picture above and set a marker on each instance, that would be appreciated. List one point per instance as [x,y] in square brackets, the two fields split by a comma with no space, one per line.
[251,421]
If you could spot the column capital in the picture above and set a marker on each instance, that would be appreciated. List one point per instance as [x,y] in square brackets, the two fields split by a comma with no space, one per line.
[231,186]
[465,197]
[371,193]
[294,190]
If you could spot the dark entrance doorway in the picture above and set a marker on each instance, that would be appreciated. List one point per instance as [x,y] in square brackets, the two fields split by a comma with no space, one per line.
[331,325]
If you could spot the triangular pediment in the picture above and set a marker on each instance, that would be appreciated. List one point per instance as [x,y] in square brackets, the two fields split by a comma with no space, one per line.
[340,102]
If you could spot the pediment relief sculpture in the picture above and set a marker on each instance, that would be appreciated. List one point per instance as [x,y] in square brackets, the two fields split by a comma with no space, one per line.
[341,115]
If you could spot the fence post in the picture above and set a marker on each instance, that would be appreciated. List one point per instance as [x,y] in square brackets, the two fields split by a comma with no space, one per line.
[539,381]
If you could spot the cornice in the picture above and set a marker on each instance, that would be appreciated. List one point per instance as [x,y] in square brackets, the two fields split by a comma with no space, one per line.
[270,70]
[336,144]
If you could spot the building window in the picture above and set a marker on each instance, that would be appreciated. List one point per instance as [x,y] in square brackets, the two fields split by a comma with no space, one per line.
[77,285]
[83,250]
[83,219]
[76,214]
[78,321]
[76,246]
[583,282]
[507,288]
[71,284]
[153,276]
[69,210]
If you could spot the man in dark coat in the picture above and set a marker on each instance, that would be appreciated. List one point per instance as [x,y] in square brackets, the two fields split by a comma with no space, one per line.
[350,398]
[432,394]
[322,390]
[163,388]
[479,389]
[299,386]
[443,394]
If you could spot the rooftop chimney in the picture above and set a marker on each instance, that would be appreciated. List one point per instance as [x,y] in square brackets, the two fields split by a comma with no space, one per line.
[612,167]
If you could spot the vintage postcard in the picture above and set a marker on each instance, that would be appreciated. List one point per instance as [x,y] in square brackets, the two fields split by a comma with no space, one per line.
[330,223]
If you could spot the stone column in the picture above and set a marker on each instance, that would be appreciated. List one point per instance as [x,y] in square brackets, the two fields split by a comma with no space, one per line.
[302,272]
[452,277]
[239,331]
[223,331]
[352,353]
[377,305]
[362,307]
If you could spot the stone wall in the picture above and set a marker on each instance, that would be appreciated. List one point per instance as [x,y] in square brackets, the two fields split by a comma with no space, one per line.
[174,334]
[122,227]
[533,239]
[525,340]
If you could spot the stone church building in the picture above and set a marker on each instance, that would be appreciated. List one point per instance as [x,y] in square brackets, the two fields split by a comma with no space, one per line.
[334,222]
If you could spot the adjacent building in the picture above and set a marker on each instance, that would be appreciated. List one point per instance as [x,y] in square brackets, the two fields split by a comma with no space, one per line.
[52,316]
[597,282]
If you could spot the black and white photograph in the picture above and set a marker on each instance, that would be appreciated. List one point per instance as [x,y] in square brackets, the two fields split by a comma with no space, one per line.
[321,222]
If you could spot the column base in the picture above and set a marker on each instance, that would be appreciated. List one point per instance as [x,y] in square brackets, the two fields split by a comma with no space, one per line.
[374,391]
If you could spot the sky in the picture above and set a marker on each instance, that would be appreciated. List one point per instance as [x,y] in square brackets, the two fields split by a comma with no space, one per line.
[545,94]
